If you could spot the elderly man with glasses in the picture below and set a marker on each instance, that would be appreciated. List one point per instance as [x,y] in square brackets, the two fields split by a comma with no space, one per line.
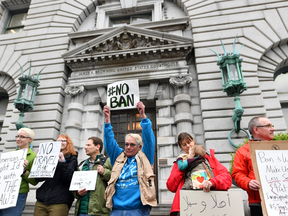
[261,129]
[131,189]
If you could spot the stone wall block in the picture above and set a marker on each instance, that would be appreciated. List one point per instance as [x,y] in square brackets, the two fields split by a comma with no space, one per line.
[228,102]
[183,117]
[283,15]
[265,29]
[48,99]
[166,140]
[274,20]
[229,33]
[272,103]
[165,151]
[257,37]
[203,9]
[165,121]
[184,127]
[8,53]
[274,57]
[165,130]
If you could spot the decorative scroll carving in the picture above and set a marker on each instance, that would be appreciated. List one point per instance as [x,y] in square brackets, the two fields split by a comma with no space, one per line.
[125,41]
[180,80]
[75,90]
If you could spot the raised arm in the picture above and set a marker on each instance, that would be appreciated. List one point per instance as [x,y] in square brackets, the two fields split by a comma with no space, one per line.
[110,144]
[147,134]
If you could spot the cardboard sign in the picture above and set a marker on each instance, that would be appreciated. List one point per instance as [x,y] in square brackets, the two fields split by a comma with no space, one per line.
[11,169]
[220,203]
[123,94]
[45,163]
[270,164]
[83,179]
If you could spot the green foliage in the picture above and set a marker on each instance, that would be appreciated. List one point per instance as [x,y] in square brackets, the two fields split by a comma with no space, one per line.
[281,136]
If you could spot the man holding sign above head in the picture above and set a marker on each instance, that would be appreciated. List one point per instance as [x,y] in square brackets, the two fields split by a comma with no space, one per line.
[92,203]
[131,189]
[54,197]
[261,129]
[23,139]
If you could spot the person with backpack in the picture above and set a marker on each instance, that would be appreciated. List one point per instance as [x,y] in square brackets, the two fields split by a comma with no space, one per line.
[93,202]
[220,177]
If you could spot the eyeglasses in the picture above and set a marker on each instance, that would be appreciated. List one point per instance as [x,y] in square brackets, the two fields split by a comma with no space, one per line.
[268,126]
[21,137]
[132,145]
[61,140]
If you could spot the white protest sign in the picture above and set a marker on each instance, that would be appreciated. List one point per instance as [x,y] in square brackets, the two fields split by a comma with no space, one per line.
[273,171]
[45,163]
[11,169]
[83,179]
[220,203]
[123,94]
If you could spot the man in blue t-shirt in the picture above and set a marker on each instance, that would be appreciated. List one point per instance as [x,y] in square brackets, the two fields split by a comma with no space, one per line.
[132,195]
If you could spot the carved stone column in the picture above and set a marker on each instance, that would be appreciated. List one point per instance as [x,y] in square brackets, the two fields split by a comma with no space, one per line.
[73,125]
[182,102]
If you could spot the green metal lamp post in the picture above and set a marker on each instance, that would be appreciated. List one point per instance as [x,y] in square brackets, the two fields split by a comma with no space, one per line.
[24,101]
[233,84]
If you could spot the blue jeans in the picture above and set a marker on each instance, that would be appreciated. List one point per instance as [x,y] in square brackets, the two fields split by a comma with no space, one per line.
[17,210]
[145,211]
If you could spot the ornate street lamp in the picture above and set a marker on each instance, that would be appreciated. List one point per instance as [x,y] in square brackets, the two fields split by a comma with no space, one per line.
[24,101]
[233,84]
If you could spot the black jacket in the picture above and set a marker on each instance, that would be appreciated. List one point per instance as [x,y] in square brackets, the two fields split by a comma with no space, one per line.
[56,190]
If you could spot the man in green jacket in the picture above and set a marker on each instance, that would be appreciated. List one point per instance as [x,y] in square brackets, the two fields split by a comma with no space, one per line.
[93,202]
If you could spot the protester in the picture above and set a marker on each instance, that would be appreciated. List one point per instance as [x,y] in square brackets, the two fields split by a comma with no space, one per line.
[220,177]
[92,203]
[261,129]
[23,139]
[194,164]
[131,189]
[54,197]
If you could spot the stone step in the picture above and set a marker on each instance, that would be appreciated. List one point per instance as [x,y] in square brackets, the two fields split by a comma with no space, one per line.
[160,210]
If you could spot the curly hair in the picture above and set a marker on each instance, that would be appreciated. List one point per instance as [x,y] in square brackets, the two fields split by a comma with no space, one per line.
[70,147]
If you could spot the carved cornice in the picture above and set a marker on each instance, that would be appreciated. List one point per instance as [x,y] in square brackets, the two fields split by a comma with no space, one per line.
[74,90]
[180,81]
[129,44]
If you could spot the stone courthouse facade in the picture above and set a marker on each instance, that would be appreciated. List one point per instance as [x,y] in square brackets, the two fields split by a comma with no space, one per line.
[85,45]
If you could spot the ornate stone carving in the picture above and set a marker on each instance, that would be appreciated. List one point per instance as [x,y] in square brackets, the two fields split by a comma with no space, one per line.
[125,41]
[180,81]
[75,90]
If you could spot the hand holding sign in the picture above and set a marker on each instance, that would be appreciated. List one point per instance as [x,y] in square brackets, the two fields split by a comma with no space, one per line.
[123,94]
[107,114]
[141,109]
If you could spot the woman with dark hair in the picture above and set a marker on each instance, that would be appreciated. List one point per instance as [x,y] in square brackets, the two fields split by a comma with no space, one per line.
[220,179]
[54,197]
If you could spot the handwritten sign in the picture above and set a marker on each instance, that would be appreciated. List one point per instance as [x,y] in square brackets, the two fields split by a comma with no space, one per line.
[273,170]
[220,203]
[270,164]
[123,94]
[11,169]
[83,179]
[45,163]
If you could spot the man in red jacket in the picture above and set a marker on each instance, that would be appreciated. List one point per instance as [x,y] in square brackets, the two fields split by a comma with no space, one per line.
[262,130]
